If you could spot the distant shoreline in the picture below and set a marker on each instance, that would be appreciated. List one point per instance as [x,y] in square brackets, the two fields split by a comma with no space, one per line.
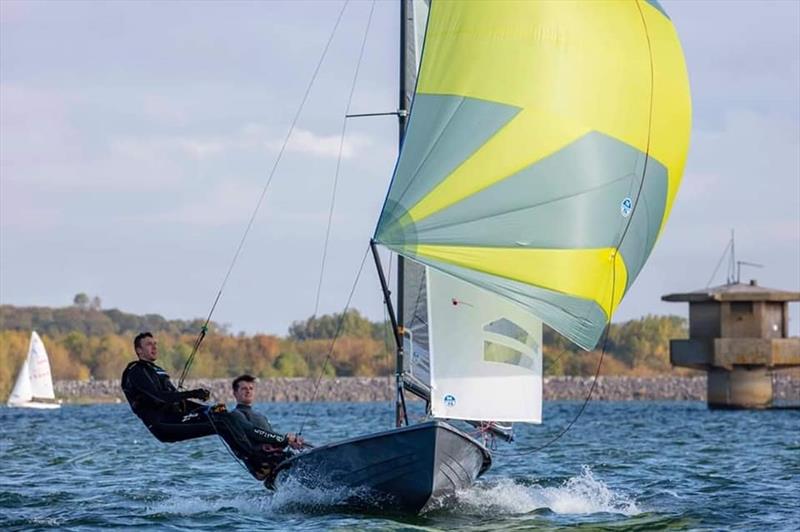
[366,389]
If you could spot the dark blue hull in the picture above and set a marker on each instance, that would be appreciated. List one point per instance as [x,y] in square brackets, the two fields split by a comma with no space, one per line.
[405,470]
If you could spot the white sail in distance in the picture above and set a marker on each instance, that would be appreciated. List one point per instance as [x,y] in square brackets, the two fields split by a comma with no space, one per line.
[34,381]
[22,387]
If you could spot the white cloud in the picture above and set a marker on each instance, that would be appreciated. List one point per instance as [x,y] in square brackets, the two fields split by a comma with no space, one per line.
[697,185]
[232,201]
[22,210]
[229,202]
[308,142]
[747,169]
[35,126]
[193,148]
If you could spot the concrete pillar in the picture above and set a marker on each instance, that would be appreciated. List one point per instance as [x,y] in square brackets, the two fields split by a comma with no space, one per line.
[739,388]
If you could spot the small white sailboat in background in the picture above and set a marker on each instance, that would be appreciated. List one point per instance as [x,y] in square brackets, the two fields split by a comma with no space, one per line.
[34,386]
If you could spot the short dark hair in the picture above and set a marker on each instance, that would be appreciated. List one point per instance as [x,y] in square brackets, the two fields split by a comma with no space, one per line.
[137,342]
[242,378]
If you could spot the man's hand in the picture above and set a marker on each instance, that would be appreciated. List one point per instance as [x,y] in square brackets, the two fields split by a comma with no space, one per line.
[200,393]
[295,441]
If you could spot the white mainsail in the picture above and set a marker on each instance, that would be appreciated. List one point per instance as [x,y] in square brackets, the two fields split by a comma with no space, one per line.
[35,381]
[415,323]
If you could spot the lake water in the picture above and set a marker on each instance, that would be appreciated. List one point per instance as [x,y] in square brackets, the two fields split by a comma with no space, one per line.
[633,465]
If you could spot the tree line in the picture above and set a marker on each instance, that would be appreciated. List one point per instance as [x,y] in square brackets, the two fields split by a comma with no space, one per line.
[85,341]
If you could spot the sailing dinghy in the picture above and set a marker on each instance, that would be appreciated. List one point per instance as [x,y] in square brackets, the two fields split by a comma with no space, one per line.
[541,158]
[34,385]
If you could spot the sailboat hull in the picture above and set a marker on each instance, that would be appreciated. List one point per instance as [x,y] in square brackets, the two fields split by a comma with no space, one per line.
[406,470]
[34,404]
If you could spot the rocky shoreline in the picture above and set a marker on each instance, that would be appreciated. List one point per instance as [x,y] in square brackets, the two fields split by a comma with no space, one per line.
[365,389]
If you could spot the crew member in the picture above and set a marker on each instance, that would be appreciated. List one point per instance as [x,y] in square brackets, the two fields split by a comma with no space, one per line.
[273,453]
[172,416]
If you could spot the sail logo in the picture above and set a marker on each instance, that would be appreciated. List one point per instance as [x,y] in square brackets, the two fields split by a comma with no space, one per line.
[626,207]
[449,400]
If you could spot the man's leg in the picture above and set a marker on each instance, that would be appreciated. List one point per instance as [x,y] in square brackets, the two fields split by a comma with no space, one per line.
[176,428]
[233,434]
[263,463]
[260,459]
[199,423]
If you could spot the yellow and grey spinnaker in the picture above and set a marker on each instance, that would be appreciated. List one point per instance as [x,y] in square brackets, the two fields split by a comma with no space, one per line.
[544,151]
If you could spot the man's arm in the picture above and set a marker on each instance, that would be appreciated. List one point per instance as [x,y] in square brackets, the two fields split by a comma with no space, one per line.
[144,382]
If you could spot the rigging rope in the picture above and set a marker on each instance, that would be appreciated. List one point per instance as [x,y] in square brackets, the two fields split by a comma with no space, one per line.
[225,444]
[339,326]
[716,269]
[613,260]
[204,328]
[582,408]
[339,158]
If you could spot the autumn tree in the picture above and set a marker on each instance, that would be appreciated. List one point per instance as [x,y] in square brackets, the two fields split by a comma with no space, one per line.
[81,301]
[350,323]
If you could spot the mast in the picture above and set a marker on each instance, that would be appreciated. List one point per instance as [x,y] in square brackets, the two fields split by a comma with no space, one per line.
[407,82]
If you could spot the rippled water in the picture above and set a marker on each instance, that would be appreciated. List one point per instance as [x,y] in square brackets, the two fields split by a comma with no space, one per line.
[634,465]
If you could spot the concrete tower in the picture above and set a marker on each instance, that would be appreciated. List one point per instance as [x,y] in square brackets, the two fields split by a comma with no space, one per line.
[738,334]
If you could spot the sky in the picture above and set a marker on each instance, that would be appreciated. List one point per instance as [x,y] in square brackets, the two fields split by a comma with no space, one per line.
[136,138]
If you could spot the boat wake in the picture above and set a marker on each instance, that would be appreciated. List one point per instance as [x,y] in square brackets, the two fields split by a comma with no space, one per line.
[292,495]
[583,494]
[181,505]
[580,495]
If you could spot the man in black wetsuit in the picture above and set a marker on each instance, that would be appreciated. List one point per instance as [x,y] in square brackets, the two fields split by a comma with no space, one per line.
[168,413]
[171,415]
[245,416]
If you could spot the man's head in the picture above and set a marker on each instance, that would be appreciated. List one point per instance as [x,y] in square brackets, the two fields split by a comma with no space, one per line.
[146,346]
[244,389]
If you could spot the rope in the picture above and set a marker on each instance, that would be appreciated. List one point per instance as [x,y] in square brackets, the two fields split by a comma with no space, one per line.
[583,406]
[333,341]
[339,158]
[204,329]
[225,444]
[195,347]
[716,269]
[613,260]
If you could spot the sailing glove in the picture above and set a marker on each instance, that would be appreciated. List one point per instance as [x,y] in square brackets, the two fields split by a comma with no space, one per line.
[200,393]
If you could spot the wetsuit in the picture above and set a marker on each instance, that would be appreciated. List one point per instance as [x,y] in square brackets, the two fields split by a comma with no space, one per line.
[271,454]
[245,414]
[165,411]
[171,416]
